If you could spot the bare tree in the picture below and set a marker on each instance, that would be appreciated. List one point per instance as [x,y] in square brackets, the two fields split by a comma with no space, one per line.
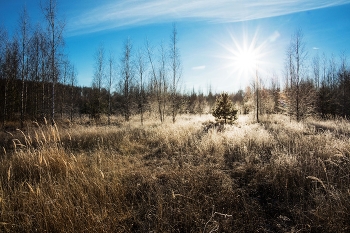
[11,69]
[24,40]
[110,83]
[154,77]
[256,96]
[3,41]
[344,85]
[316,70]
[141,68]
[55,31]
[44,74]
[163,81]
[34,67]
[72,81]
[201,103]
[257,87]
[66,66]
[275,89]
[324,93]
[296,57]
[127,75]
[331,77]
[288,73]
[159,80]
[3,78]
[175,70]
[324,67]
[97,81]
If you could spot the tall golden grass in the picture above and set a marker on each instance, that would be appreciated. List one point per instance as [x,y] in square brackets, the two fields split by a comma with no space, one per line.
[276,176]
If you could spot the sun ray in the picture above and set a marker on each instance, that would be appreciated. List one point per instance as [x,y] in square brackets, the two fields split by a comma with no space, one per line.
[245,56]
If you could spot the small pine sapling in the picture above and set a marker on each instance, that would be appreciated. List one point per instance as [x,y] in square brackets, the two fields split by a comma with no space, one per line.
[223,109]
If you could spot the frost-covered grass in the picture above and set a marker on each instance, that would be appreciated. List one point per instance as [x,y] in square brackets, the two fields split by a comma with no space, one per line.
[275,176]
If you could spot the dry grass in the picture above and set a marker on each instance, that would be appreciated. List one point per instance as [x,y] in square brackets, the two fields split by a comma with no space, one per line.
[276,176]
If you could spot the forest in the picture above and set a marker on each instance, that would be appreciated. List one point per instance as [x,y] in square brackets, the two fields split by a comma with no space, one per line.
[38,80]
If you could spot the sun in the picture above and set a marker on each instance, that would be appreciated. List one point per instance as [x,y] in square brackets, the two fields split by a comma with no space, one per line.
[246,61]
[245,56]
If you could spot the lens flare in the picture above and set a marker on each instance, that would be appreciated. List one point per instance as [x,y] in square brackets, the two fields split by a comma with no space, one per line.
[245,56]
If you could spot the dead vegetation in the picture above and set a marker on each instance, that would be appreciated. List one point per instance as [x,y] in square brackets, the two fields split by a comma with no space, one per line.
[276,176]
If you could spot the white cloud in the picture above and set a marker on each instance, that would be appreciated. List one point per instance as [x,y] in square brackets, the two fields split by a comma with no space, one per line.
[198,68]
[116,14]
[315,48]
[274,36]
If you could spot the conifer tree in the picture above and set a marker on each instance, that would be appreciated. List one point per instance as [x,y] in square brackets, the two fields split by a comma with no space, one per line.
[224,109]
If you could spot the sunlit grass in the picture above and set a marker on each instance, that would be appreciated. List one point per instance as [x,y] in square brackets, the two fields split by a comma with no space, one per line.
[279,176]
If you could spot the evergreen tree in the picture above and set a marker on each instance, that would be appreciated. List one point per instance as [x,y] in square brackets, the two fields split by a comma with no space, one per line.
[224,109]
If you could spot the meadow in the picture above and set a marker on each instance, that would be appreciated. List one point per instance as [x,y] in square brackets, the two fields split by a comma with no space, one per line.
[274,176]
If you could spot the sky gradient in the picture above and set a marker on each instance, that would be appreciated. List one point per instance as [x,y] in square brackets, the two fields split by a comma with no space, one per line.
[211,33]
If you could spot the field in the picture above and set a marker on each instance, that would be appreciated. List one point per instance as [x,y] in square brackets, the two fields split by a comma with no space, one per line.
[274,176]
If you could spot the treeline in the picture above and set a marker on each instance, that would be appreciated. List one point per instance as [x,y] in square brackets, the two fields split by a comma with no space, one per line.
[315,86]
[32,68]
[38,81]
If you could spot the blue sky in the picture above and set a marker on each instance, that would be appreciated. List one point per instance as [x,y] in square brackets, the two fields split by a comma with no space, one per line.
[214,35]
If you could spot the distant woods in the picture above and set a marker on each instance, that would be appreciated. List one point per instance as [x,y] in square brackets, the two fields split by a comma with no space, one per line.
[38,81]
[318,85]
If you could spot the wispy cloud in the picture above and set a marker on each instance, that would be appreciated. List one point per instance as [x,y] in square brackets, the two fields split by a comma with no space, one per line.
[198,68]
[315,48]
[116,14]
[274,36]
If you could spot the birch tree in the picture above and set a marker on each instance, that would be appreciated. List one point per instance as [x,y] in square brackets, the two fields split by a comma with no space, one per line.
[141,68]
[126,78]
[162,82]
[24,41]
[159,80]
[316,70]
[55,39]
[175,67]
[97,82]
[72,81]
[3,78]
[11,71]
[110,81]
[296,57]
